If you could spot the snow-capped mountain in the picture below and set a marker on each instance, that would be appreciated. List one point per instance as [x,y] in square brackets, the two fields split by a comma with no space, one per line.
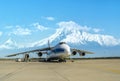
[73,33]
[9,44]
[77,36]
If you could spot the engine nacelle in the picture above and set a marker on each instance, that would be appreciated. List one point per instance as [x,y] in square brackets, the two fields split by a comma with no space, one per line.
[27,56]
[74,53]
[82,54]
[39,54]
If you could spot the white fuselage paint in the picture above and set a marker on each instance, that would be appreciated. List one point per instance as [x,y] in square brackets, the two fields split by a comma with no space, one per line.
[60,51]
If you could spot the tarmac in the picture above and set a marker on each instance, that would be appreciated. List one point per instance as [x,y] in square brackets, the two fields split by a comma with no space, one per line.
[80,70]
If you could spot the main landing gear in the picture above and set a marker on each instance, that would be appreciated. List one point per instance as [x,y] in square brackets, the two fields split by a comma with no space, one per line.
[62,60]
[51,60]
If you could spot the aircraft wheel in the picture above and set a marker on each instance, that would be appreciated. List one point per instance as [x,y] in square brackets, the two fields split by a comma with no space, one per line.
[64,60]
[48,60]
[60,60]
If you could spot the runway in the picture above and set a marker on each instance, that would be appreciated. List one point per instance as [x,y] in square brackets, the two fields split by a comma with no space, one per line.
[80,70]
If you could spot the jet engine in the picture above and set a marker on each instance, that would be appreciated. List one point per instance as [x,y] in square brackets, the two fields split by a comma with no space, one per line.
[27,56]
[82,54]
[74,53]
[39,54]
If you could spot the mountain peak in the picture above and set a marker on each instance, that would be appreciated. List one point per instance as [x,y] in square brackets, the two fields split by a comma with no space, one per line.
[71,27]
[73,33]
[9,44]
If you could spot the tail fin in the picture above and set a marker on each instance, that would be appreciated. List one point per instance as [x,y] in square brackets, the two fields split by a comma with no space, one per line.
[49,44]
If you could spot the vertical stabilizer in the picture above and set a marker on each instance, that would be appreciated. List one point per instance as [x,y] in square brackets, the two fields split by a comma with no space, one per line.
[49,44]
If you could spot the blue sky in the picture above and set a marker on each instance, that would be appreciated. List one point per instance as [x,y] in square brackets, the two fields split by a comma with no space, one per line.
[103,14]
[18,14]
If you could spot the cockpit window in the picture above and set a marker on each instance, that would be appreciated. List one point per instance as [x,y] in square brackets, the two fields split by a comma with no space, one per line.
[58,50]
[62,43]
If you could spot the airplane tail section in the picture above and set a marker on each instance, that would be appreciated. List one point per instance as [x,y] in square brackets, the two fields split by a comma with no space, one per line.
[49,45]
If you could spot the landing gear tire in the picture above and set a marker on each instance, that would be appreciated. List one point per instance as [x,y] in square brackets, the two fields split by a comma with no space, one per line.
[64,60]
[61,60]
[48,60]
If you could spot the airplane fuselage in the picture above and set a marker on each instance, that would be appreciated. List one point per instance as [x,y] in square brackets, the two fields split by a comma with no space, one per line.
[59,52]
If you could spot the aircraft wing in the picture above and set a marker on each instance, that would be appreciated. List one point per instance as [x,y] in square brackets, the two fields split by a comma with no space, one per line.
[82,51]
[42,50]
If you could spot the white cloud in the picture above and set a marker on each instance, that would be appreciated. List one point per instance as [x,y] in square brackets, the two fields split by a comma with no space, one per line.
[84,28]
[39,27]
[49,18]
[21,31]
[96,30]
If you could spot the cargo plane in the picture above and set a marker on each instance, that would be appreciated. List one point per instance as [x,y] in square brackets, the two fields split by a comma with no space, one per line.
[59,52]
